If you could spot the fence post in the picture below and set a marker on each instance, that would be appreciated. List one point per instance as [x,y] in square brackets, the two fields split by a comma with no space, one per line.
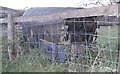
[10,37]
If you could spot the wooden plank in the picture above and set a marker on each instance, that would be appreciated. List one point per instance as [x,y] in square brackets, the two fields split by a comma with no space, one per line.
[110,10]
[10,37]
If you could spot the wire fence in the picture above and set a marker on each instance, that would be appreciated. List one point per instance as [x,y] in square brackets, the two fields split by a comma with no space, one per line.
[81,44]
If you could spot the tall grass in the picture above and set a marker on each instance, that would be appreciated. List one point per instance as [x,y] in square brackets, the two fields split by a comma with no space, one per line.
[37,61]
[0,53]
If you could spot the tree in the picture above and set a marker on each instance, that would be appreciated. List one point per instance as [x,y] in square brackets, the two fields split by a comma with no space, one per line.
[93,3]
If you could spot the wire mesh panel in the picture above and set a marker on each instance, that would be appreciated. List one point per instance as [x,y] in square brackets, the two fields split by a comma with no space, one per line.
[80,44]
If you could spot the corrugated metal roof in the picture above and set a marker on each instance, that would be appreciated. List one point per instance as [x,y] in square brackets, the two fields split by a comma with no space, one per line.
[46,10]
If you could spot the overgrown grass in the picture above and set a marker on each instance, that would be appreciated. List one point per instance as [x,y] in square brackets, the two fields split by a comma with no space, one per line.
[36,61]
[108,42]
[0,53]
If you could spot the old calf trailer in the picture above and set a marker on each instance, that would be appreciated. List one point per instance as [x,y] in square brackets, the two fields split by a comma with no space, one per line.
[75,31]
[67,33]
[71,31]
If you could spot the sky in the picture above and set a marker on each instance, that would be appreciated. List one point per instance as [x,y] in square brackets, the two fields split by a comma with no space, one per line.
[24,4]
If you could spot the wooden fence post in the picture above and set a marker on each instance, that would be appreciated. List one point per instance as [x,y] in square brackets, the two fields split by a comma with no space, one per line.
[10,37]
